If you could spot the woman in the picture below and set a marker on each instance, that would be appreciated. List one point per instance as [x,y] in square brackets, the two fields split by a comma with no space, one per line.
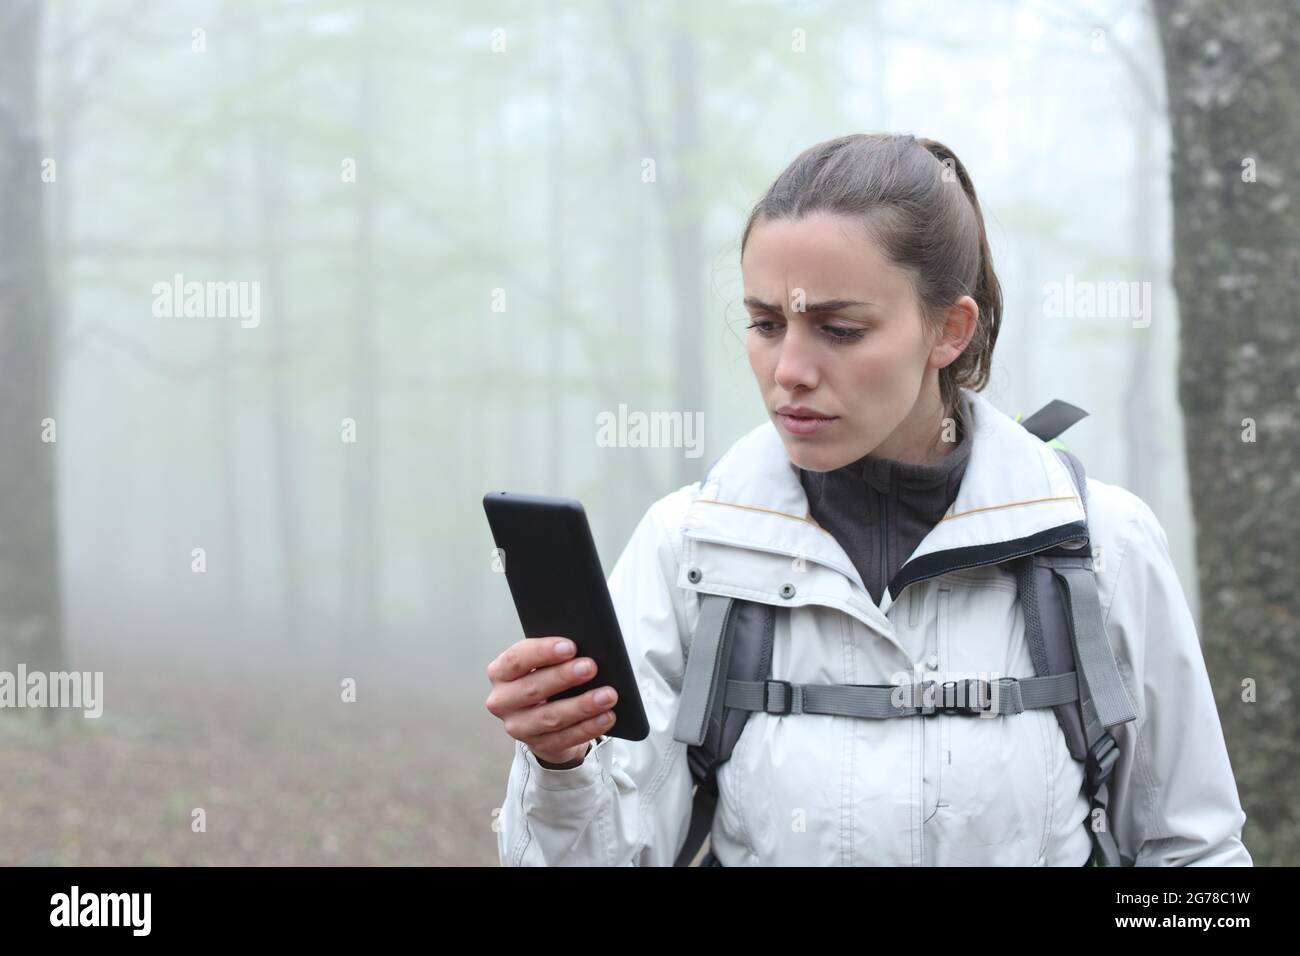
[875,309]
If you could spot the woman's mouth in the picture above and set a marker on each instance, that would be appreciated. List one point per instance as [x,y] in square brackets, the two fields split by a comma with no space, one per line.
[804,424]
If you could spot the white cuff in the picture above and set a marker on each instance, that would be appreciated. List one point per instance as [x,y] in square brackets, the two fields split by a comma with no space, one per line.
[574,778]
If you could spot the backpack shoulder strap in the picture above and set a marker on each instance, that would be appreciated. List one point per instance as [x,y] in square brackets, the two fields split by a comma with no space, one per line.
[732,641]
[1065,631]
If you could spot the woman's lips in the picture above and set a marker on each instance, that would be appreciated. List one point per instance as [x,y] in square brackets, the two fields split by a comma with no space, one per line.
[803,426]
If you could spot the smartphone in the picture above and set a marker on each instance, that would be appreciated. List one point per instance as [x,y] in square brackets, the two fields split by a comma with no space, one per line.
[550,562]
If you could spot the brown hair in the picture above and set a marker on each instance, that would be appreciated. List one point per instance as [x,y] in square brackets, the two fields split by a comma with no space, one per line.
[901,189]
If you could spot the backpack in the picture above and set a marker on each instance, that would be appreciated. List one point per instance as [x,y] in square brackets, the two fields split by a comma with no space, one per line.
[1075,668]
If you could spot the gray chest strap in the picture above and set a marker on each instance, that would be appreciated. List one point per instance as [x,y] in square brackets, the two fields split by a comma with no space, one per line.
[972,696]
[707,689]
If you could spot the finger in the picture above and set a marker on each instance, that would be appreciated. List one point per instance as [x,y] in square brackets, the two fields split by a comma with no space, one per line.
[540,725]
[524,655]
[546,682]
[581,733]
[540,685]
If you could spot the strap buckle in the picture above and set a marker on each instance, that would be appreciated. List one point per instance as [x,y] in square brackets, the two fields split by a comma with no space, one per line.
[973,700]
[1101,759]
[789,697]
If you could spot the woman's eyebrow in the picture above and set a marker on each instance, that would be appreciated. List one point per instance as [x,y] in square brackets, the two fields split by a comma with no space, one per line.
[829,305]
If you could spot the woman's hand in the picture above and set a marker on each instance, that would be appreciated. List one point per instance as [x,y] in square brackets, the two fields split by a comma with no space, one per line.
[525,675]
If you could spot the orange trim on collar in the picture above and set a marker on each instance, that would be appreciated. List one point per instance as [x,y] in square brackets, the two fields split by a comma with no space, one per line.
[1010,504]
[959,514]
[770,511]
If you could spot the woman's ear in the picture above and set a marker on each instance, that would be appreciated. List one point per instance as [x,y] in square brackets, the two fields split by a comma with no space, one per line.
[960,322]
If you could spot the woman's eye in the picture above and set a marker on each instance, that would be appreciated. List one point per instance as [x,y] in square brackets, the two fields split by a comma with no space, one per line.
[844,335]
[836,333]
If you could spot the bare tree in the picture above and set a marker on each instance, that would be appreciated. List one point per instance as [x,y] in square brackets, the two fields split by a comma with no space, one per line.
[273,213]
[679,196]
[362,559]
[30,613]
[1233,73]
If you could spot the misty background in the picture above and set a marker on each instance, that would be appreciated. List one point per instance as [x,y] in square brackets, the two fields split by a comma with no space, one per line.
[474,228]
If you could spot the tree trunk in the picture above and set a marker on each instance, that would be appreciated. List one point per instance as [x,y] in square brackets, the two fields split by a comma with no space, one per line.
[272,216]
[30,612]
[1233,77]
[361,558]
[685,243]
[557,174]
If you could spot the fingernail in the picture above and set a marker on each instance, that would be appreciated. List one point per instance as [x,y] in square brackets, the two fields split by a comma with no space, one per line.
[604,696]
[607,717]
[583,668]
[563,648]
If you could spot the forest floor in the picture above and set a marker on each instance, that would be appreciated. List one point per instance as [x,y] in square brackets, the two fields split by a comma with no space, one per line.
[285,773]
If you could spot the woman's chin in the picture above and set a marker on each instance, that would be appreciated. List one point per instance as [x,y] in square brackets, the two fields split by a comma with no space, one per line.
[813,459]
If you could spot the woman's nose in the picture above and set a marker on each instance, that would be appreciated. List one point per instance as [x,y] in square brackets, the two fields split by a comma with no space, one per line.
[797,364]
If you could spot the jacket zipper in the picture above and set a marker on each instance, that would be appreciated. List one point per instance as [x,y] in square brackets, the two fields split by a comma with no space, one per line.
[884,553]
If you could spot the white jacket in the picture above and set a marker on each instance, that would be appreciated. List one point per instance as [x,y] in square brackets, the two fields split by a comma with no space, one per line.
[812,789]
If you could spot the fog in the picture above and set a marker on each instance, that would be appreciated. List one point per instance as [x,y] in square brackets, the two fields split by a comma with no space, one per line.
[456,236]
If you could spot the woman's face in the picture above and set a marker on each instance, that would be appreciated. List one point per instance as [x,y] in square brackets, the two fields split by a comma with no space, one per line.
[837,334]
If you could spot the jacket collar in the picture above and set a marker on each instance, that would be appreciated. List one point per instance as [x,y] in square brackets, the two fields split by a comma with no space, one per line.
[1016,496]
